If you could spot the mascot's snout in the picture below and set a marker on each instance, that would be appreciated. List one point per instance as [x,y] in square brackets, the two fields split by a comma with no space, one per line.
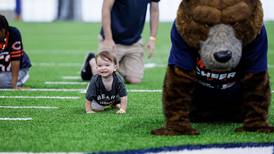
[221,50]
[223,56]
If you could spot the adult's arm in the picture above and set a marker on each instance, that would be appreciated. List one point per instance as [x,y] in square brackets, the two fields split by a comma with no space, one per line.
[154,22]
[15,66]
[106,24]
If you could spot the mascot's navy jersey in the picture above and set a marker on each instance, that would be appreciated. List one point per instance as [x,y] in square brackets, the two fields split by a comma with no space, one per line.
[127,20]
[12,50]
[254,59]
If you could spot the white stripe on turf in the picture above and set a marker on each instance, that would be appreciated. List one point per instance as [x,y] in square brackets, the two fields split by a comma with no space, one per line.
[71,77]
[28,107]
[45,90]
[147,65]
[40,97]
[84,90]
[152,65]
[66,83]
[57,64]
[15,119]
[145,90]
[136,91]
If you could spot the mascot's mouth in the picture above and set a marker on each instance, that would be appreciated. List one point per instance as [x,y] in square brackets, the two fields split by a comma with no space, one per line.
[221,70]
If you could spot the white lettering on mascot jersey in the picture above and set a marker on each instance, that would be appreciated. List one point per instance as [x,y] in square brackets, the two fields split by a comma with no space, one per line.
[213,79]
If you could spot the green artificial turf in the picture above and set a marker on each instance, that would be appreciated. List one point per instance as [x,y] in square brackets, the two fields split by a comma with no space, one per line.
[58,49]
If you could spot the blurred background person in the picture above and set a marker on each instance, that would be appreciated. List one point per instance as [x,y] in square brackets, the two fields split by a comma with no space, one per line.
[69,10]
[14,62]
[18,10]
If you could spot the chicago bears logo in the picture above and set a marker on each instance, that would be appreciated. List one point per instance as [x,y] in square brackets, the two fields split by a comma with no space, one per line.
[16,45]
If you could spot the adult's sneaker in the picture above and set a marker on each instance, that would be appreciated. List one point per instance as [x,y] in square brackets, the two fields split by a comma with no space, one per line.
[86,72]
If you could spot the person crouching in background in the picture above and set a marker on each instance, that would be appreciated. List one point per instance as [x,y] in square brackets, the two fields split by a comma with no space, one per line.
[14,62]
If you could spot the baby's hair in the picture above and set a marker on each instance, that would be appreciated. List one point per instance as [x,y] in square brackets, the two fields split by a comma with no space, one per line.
[3,22]
[106,55]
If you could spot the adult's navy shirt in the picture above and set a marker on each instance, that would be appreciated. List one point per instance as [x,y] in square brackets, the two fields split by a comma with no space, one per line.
[254,56]
[127,20]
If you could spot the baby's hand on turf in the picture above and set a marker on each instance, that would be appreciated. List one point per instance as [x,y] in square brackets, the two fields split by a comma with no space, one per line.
[121,111]
[22,88]
[88,112]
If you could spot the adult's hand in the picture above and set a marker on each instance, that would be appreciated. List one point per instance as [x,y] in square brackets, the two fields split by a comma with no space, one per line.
[108,45]
[151,46]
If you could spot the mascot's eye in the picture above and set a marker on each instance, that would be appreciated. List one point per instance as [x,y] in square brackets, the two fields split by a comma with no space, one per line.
[208,25]
[234,24]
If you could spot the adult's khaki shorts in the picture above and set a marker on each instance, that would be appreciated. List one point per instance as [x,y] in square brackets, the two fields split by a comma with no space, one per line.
[130,58]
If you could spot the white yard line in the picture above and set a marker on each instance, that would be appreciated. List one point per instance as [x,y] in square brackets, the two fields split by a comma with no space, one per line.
[15,119]
[65,83]
[44,90]
[40,97]
[84,90]
[153,65]
[136,91]
[147,65]
[71,77]
[144,90]
[28,107]
[57,64]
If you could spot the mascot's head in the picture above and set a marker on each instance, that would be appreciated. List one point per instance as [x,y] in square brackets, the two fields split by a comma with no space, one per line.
[219,28]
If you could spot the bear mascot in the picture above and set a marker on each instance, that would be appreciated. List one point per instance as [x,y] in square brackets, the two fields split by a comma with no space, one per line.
[217,67]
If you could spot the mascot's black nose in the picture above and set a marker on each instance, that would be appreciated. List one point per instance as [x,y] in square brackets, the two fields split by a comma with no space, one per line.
[223,56]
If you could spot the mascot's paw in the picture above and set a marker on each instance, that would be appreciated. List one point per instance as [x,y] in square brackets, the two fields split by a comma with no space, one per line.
[172,132]
[263,129]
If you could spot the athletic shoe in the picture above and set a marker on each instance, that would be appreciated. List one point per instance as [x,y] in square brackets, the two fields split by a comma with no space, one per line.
[86,72]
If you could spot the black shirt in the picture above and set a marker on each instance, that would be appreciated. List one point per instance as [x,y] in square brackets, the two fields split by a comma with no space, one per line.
[12,50]
[97,91]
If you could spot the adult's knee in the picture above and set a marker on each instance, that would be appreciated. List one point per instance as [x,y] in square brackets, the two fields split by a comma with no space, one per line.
[133,80]
[5,80]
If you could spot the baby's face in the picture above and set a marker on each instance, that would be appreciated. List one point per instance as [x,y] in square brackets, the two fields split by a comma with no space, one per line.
[105,67]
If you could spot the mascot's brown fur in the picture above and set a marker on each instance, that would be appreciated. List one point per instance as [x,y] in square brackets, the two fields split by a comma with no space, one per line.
[193,23]
[195,17]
